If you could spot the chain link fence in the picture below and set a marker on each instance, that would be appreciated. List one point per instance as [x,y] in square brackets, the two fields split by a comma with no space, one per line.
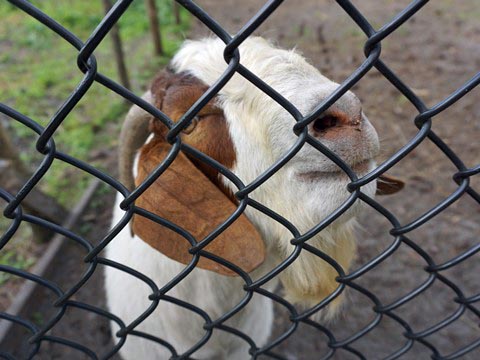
[87,63]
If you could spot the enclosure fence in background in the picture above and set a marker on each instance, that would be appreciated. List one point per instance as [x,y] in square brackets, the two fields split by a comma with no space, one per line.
[45,145]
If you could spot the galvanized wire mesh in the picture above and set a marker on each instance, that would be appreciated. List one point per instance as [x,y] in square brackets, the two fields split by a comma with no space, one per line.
[87,63]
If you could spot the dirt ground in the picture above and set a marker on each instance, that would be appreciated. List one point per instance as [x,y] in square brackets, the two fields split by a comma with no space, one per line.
[434,53]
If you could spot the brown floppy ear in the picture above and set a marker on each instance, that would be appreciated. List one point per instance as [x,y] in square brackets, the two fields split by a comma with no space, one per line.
[387,185]
[185,195]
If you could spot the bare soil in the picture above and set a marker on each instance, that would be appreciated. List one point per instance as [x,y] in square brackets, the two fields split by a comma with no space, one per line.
[435,52]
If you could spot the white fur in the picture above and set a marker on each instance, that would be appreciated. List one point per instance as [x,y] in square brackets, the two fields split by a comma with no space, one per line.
[262,132]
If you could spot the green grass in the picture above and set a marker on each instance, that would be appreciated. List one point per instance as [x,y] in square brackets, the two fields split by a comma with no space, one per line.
[38,71]
[14,258]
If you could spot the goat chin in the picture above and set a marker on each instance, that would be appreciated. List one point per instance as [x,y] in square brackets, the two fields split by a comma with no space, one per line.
[310,279]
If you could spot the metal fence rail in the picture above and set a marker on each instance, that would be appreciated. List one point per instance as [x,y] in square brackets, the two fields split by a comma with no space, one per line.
[87,63]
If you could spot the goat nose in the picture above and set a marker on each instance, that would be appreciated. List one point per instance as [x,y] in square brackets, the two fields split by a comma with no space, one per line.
[334,119]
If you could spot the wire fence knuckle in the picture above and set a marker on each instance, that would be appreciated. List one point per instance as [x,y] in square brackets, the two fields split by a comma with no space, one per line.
[399,233]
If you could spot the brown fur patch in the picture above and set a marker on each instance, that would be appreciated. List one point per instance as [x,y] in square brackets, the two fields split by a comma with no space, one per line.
[187,198]
[189,193]
[174,94]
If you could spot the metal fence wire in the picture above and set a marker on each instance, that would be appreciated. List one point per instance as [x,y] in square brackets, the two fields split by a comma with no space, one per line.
[87,63]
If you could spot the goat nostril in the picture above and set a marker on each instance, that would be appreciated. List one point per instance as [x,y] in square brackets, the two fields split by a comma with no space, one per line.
[324,123]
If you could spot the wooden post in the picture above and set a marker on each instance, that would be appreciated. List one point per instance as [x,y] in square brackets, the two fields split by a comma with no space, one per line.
[154,26]
[176,13]
[118,49]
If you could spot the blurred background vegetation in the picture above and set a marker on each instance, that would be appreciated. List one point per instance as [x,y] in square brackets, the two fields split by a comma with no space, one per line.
[38,72]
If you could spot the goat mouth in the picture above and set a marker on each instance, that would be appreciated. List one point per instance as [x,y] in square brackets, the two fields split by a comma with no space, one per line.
[360,168]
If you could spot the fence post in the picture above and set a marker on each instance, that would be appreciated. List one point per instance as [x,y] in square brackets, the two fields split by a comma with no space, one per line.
[154,26]
[118,49]
[176,13]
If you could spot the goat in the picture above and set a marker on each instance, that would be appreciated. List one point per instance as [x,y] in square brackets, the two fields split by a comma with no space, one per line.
[246,131]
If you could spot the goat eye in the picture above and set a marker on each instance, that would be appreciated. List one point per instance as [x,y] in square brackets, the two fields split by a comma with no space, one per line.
[193,124]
